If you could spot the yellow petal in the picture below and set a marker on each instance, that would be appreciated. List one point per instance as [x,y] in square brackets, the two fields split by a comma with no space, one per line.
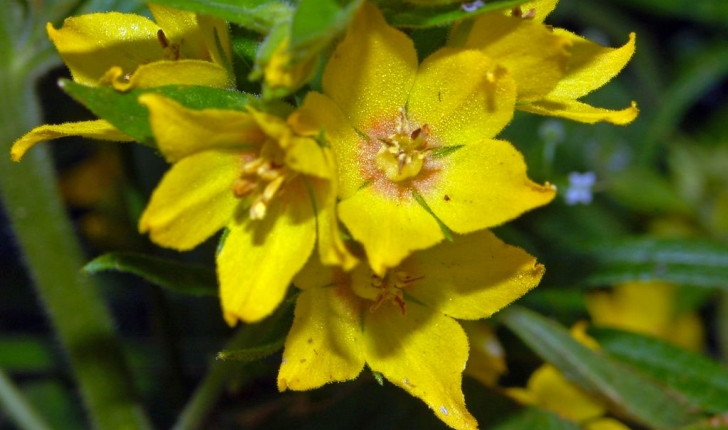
[552,391]
[644,307]
[462,96]
[302,154]
[424,352]
[316,275]
[325,342]
[582,112]
[260,258]
[389,229]
[181,28]
[93,43]
[371,72]
[332,249]
[542,8]
[193,200]
[487,359]
[320,112]
[472,277]
[181,132]
[534,56]
[216,35]
[181,72]
[98,129]
[484,185]
[590,65]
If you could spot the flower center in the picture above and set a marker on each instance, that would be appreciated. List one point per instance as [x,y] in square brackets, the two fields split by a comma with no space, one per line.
[403,153]
[387,288]
[262,178]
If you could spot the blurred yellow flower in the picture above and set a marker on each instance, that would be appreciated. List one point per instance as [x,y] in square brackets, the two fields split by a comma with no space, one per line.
[401,323]
[549,389]
[252,173]
[414,145]
[549,81]
[130,51]
[648,308]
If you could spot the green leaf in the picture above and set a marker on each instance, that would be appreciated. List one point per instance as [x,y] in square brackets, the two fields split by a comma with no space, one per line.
[702,381]
[316,23]
[246,355]
[535,418]
[627,392]
[123,110]
[644,190]
[691,262]
[715,12]
[183,278]
[256,15]
[418,17]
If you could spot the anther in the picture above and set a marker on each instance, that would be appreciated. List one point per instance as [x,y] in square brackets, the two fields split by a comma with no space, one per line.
[162,38]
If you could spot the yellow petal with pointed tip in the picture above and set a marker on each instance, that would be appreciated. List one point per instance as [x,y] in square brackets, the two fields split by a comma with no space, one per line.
[389,229]
[91,44]
[260,258]
[321,113]
[590,65]
[182,29]
[534,56]
[490,275]
[462,96]
[582,112]
[193,200]
[483,185]
[542,8]
[182,72]
[371,72]
[181,132]
[98,129]
[424,352]
[325,342]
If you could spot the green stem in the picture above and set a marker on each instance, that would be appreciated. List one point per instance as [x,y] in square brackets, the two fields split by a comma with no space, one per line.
[212,385]
[45,237]
[17,407]
[273,329]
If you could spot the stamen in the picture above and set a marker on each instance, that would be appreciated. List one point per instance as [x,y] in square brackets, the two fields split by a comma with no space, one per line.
[162,38]
[243,187]
[272,188]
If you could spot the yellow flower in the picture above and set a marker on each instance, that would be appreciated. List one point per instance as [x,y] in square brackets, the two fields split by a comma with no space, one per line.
[130,51]
[401,323]
[550,83]
[414,146]
[649,308]
[252,173]
[549,389]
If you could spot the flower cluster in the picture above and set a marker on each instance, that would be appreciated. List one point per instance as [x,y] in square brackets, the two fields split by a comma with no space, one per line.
[373,197]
